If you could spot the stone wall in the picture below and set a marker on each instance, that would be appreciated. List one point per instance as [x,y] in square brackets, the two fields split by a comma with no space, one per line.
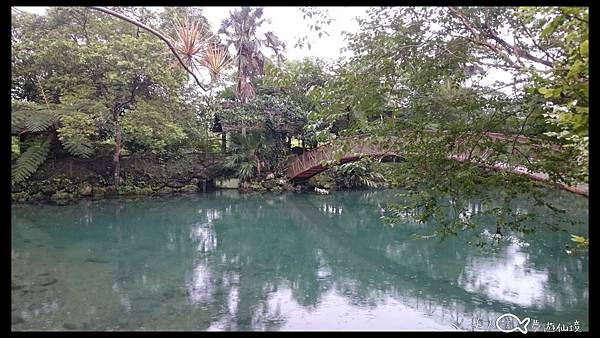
[68,179]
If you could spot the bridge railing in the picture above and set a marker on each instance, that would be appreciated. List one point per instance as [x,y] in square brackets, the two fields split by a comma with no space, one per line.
[468,149]
[314,158]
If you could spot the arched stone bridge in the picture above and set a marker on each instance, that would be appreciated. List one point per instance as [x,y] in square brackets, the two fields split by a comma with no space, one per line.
[302,167]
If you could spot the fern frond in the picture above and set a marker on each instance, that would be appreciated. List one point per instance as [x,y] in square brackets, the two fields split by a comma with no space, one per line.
[88,106]
[33,120]
[77,146]
[76,133]
[30,160]
[41,120]
[17,120]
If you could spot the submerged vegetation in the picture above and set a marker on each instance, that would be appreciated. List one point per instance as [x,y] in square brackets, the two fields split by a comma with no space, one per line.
[88,86]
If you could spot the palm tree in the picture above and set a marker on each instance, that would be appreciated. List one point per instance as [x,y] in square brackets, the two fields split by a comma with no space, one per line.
[240,30]
[248,155]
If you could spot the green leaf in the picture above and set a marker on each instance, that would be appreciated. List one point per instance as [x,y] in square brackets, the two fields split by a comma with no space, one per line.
[584,48]
[543,90]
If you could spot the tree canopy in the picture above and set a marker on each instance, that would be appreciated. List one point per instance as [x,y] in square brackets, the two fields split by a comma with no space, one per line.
[414,70]
[97,82]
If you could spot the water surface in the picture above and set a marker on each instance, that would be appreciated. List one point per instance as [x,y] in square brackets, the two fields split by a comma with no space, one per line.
[223,261]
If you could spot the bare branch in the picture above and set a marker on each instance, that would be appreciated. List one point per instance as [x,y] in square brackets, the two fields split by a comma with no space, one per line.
[516,50]
[526,30]
[480,35]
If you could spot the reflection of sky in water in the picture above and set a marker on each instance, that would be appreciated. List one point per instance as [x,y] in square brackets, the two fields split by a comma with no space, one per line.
[335,312]
[331,209]
[323,270]
[203,233]
[508,278]
[308,263]
[225,321]
[200,286]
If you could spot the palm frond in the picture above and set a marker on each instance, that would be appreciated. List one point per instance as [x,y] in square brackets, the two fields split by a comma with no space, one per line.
[41,120]
[18,120]
[276,45]
[191,39]
[247,170]
[216,58]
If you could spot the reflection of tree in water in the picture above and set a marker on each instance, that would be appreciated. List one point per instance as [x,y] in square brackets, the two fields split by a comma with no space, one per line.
[228,258]
[246,249]
[316,256]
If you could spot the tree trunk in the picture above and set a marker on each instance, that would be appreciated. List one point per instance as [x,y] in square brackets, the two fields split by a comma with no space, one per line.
[258,165]
[223,142]
[116,163]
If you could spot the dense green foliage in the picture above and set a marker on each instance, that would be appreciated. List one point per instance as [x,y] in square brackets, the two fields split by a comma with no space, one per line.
[422,83]
[98,73]
[414,70]
[277,113]
[358,174]
[564,33]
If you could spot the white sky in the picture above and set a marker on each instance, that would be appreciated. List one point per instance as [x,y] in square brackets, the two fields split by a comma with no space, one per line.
[287,23]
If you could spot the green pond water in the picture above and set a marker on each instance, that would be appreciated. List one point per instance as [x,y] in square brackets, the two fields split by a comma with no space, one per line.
[224,261]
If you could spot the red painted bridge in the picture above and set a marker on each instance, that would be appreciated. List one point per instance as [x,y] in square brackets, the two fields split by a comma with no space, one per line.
[309,164]
[315,161]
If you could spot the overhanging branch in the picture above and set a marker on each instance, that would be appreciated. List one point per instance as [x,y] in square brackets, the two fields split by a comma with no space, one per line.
[153,31]
[480,34]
